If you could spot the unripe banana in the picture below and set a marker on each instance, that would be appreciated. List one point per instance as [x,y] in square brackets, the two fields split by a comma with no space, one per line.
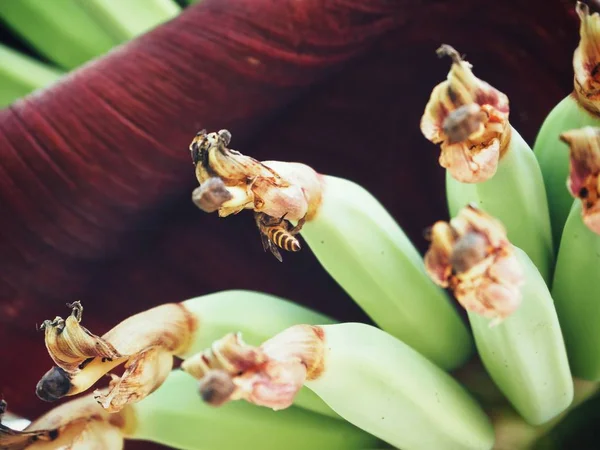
[522,348]
[576,293]
[363,248]
[175,415]
[367,376]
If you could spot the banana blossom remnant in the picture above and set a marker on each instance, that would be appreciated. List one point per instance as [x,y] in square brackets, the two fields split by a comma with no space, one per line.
[584,175]
[79,424]
[473,257]
[145,343]
[231,182]
[270,375]
[470,120]
[586,59]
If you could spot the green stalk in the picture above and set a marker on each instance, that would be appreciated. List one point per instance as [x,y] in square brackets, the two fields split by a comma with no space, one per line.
[20,75]
[576,293]
[525,354]
[553,156]
[175,416]
[362,247]
[516,196]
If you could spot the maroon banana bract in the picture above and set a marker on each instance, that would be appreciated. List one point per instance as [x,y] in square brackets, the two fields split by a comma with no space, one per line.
[95,173]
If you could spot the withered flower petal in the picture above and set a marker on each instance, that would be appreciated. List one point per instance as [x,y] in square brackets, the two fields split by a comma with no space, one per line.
[270,375]
[69,344]
[145,342]
[586,59]
[584,175]
[473,257]
[469,118]
[79,424]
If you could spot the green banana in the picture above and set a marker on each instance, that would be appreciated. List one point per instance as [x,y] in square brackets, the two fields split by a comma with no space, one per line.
[175,415]
[575,292]
[363,248]
[525,354]
[367,376]
[522,347]
[20,75]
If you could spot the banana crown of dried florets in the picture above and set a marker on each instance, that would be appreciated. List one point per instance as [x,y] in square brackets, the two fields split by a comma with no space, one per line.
[472,256]
[586,59]
[584,174]
[269,375]
[145,343]
[469,118]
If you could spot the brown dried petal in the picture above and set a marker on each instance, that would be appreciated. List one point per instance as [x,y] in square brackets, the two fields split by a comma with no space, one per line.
[272,379]
[211,195]
[69,344]
[469,118]
[584,175]
[146,342]
[144,373]
[473,257]
[79,424]
[586,59]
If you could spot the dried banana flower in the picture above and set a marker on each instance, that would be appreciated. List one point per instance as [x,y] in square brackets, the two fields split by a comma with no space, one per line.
[79,424]
[469,118]
[586,59]
[584,175]
[145,343]
[472,256]
[274,188]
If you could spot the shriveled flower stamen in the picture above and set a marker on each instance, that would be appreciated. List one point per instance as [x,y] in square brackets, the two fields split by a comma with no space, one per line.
[472,256]
[469,118]
[584,175]
[270,375]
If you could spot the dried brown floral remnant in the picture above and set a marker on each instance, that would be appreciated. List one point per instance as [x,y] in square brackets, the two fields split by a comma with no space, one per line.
[584,174]
[274,188]
[78,424]
[270,375]
[469,118]
[586,59]
[472,256]
[145,343]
